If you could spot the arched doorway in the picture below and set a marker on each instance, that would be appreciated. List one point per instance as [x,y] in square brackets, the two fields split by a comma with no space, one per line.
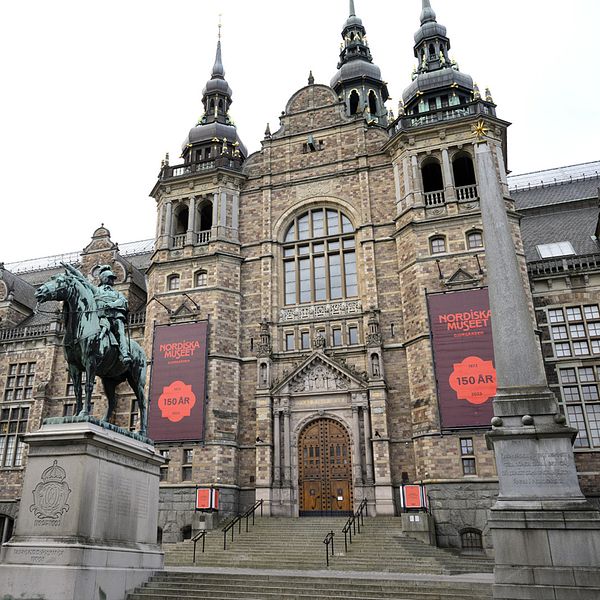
[325,469]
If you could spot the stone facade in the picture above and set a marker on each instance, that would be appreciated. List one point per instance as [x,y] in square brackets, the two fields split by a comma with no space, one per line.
[362,358]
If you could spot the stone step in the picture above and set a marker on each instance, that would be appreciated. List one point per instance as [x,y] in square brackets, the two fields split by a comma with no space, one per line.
[225,586]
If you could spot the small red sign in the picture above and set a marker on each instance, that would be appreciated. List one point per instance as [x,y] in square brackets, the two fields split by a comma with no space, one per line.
[207,499]
[176,401]
[474,380]
[412,496]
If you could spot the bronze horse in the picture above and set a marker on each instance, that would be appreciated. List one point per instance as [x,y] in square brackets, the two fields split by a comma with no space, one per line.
[87,353]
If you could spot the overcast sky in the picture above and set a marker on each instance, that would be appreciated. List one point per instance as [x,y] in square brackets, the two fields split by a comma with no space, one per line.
[94,93]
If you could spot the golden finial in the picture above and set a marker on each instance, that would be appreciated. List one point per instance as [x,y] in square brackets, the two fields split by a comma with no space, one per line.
[480,130]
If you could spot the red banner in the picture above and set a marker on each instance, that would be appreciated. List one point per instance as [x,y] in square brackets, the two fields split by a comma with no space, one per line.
[178,389]
[464,357]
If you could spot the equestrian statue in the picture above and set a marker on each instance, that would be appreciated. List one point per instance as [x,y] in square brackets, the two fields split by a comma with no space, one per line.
[95,340]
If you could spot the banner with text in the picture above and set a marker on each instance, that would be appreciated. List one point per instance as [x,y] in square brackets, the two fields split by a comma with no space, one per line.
[178,389]
[464,357]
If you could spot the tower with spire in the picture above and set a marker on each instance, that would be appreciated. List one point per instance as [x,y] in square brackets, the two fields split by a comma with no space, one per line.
[358,81]
[215,134]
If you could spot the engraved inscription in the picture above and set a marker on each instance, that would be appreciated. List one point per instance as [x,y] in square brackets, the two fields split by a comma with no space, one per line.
[534,469]
[104,502]
[39,555]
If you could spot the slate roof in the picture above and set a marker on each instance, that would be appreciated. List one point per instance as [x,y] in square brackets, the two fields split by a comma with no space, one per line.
[23,291]
[564,210]
[555,194]
[575,226]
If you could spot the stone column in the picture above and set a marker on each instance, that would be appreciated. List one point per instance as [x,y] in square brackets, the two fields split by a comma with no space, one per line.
[189,238]
[368,448]
[357,461]
[448,179]
[165,241]
[276,449]
[546,536]
[287,463]
[215,214]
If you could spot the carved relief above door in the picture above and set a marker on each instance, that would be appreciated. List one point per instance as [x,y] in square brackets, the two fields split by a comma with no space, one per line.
[325,469]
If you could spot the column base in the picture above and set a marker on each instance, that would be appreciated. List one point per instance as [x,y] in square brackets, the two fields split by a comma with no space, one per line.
[546,554]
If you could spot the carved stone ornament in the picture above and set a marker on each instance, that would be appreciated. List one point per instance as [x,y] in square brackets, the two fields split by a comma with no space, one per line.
[318,377]
[51,494]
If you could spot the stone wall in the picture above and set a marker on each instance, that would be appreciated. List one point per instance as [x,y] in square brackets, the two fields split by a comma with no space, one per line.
[461,505]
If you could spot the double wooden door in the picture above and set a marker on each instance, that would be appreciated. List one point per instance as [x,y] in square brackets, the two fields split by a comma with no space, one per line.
[325,466]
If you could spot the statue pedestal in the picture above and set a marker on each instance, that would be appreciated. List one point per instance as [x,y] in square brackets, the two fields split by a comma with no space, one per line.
[546,535]
[87,522]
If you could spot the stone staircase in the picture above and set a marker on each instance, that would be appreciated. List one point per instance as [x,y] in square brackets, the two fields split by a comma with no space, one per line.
[280,543]
[269,586]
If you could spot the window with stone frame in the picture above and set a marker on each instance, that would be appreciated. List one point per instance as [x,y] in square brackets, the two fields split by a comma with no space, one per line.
[352,335]
[201,279]
[19,382]
[290,341]
[336,336]
[319,258]
[173,282]
[580,401]
[13,424]
[437,244]
[575,330]
[305,340]
[186,467]
[467,452]
[474,240]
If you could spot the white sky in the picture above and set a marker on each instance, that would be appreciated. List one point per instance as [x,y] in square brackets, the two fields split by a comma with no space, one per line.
[95,92]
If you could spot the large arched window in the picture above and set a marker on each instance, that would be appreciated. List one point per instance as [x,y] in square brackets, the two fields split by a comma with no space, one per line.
[319,255]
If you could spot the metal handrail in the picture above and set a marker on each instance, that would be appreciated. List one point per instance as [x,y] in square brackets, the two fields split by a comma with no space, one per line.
[354,522]
[238,520]
[328,541]
[195,539]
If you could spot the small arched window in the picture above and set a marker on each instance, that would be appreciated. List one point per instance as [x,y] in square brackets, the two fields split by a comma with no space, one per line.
[221,106]
[432,176]
[354,101]
[319,255]
[431,51]
[474,239]
[173,282]
[201,279]
[471,540]
[372,103]
[438,244]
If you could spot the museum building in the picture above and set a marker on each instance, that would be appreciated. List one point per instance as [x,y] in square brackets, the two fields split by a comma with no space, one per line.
[314,262]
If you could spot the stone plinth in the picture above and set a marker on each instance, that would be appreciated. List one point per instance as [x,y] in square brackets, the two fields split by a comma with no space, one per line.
[87,522]
[546,536]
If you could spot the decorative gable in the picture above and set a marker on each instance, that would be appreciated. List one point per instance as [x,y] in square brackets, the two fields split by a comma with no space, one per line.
[317,375]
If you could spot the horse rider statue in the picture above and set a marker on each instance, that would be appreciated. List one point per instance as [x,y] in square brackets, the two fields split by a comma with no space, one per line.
[112,308]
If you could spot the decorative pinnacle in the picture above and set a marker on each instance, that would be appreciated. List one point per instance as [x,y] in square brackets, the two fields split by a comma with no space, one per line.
[352,9]
[311,79]
[220,25]
[427,14]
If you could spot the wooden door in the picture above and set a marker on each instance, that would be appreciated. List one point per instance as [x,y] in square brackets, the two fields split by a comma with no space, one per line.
[325,467]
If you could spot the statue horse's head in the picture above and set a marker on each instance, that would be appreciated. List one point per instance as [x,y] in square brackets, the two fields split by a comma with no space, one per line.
[56,288]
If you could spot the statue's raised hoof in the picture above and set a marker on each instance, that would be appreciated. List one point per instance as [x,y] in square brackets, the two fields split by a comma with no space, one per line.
[83,413]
